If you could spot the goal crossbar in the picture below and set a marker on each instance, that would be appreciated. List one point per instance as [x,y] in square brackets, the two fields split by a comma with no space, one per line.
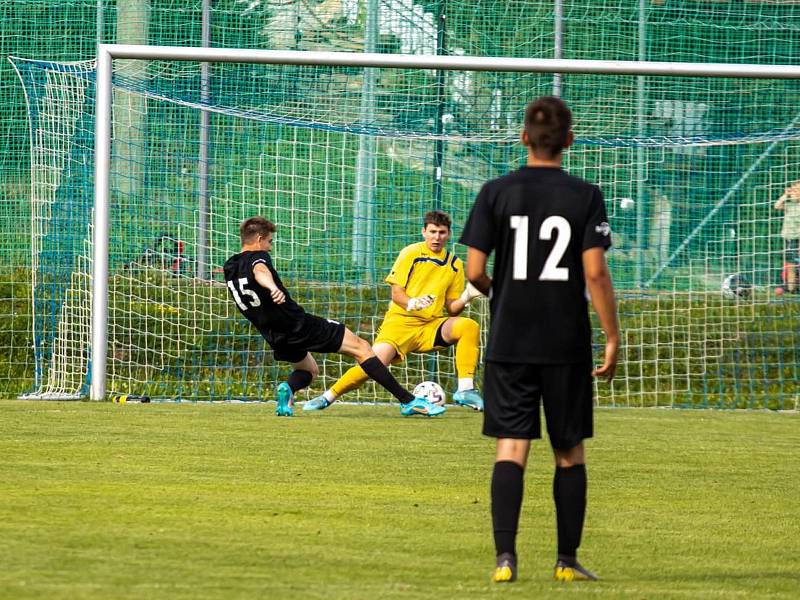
[107,53]
[438,62]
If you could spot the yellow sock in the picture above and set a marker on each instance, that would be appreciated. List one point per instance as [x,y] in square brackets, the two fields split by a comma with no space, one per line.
[467,334]
[350,381]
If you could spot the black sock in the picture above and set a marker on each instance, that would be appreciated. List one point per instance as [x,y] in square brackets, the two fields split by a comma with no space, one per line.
[569,493]
[378,372]
[507,486]
[299,379]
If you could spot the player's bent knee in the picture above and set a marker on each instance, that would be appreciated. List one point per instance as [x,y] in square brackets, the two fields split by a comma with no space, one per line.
[471,326]
[464,327]
[364,347]
[357,347]
[366,354]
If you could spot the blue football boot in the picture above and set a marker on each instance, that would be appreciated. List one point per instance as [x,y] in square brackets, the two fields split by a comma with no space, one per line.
[318,403]
[469,398]
[285,399]
[420,406]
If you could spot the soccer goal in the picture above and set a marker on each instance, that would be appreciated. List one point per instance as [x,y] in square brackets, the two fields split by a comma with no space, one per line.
[135,209]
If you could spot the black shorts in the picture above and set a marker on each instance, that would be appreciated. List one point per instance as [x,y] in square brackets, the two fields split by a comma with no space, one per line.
[512,393]
[314,334]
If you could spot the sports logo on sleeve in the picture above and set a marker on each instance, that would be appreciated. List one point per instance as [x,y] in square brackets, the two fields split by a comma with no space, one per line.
[604,229]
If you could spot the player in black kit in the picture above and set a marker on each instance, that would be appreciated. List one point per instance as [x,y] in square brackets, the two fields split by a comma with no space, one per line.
[292,333]
[549,233]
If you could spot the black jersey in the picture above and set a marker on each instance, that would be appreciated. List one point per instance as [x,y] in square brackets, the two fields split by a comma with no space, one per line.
[254,301]
[538,221]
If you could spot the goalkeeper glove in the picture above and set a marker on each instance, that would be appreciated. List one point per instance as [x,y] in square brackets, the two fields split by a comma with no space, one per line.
[419,303]
[470,293]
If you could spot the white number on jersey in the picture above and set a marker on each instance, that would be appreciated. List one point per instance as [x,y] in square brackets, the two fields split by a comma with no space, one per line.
[551,271]
[254,301]
[520,261]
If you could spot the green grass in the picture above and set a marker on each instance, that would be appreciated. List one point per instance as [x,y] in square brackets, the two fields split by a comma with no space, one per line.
[227,501]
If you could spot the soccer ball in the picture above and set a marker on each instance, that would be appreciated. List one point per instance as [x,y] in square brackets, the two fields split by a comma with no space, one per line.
[431,391]
[627,204]
[736,286]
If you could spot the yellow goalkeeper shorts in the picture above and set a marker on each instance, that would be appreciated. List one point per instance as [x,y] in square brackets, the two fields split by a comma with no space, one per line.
[409,335]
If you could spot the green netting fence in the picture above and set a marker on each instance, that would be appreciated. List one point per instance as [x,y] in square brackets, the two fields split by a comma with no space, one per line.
[691,168]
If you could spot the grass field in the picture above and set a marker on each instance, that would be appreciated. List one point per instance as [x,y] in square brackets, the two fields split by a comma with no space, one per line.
[99,500]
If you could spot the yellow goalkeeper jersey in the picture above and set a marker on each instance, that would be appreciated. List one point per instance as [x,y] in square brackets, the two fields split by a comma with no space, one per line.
[421,272]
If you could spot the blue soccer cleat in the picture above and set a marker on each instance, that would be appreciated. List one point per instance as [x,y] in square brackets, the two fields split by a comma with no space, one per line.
[420,406]
[318,403]
[285,399]
[469,398]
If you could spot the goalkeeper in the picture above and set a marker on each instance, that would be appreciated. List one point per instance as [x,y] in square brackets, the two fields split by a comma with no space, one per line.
[426,279]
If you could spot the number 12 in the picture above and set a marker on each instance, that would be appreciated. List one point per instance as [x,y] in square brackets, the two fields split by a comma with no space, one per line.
[551,271]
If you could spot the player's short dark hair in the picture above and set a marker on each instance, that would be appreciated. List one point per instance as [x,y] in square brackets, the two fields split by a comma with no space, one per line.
[255,226]
[548,121]
[436,217]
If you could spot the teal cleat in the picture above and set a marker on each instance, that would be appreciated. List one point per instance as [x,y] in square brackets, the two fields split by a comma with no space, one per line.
[469,398]
[318,403]
[285,399]
[420,406]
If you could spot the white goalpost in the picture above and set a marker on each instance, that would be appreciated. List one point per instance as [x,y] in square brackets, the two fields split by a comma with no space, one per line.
[667,307]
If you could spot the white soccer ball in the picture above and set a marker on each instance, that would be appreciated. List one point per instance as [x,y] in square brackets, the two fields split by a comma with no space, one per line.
[627,204]
[431,391]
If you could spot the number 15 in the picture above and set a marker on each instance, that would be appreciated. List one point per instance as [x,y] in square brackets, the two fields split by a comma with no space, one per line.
[250,294]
